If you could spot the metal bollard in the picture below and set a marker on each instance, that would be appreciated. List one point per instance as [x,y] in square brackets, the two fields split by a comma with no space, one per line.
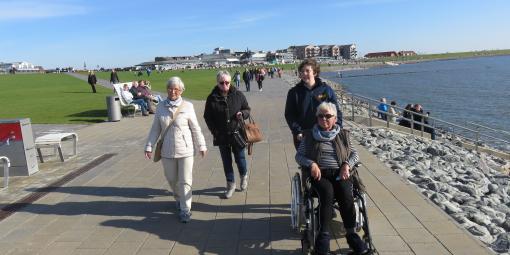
[6,164]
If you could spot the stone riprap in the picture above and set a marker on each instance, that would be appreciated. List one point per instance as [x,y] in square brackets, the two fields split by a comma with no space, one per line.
[467,185]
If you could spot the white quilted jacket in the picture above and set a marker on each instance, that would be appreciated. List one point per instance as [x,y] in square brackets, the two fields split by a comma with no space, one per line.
[184,138]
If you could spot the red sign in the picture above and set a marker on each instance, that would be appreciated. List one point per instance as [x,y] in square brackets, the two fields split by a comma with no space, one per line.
[10,131]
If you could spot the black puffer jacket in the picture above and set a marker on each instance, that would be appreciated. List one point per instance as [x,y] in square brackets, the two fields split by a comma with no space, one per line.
[220,114]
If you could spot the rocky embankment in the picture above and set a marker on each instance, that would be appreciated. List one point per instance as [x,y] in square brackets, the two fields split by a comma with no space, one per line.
[467,185]
[471,187]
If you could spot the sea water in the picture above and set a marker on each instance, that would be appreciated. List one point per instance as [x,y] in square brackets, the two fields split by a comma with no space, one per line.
[458,91]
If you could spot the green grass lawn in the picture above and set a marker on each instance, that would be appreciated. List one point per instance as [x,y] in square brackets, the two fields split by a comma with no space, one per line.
[198,83]
[51,98]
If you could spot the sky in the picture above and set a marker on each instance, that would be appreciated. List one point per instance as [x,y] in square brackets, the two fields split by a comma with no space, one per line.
[104,33]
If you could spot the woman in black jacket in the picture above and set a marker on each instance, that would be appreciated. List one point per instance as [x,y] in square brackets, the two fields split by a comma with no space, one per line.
[224,109]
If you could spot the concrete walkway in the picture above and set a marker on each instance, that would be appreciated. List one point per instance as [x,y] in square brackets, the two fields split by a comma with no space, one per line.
[123,206]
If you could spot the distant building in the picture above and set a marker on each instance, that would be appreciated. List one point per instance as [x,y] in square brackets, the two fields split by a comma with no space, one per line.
[22,66]
[331,51]
[348,51]
[259,58]
[383,54]
[306,51]
[219,59]
[405,53]
[221,50]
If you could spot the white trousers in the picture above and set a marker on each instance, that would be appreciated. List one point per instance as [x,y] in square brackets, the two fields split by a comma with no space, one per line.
[179,174]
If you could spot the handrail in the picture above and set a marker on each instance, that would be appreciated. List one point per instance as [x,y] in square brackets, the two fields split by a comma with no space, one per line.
[6,164]
[488,128]
[477,135]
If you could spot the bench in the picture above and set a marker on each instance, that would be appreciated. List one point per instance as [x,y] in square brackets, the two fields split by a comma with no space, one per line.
[55,141]
[5,161]
[118,87]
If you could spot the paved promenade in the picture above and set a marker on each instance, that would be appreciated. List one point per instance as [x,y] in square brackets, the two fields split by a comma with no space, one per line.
[122,205]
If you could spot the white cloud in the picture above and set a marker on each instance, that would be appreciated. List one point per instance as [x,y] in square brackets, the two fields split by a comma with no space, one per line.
[16,10]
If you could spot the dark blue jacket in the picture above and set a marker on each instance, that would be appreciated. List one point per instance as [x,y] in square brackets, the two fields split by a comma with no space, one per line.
[302,104]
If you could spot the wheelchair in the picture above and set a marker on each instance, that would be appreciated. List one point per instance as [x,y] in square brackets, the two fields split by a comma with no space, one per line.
[305,211]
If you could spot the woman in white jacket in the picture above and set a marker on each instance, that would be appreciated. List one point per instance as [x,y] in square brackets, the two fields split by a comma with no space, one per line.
[183,138]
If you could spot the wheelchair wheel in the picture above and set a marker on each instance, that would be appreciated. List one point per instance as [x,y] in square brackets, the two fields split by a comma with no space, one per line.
[296,202]
[311,224]
[362,211]
[359,207]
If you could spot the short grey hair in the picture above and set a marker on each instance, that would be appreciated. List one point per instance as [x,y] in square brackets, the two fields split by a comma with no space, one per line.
[223,73]
[327,106]
[175,81]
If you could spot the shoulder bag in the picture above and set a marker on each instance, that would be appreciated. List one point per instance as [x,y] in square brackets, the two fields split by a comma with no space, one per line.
[252,131]
[157,152]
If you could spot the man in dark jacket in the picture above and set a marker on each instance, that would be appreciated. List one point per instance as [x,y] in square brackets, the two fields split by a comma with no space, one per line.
[225,108]
[114,78]
[247,78]
[92,80]
[304,98]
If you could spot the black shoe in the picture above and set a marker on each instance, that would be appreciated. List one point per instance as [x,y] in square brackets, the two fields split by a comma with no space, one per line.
[356,244]
[145,114]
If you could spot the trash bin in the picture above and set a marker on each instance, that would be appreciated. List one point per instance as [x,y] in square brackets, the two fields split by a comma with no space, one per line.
[17,144]
[113,107]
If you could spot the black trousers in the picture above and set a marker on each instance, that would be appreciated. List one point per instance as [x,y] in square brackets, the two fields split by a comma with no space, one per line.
[330,190]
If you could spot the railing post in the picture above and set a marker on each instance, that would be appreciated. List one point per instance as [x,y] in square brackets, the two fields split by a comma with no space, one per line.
[352,107]
[369,115]
[422,127]
[477,134]
[388,118]
[412,122]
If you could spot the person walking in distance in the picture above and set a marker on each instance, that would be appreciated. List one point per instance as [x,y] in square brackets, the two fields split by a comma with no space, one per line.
[114,78]
[247,79]
[92,80]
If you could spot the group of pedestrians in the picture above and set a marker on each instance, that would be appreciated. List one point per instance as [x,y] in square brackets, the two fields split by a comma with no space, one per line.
[314,117]
[412,116]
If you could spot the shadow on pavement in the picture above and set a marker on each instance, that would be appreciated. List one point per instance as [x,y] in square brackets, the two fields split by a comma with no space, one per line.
[214,230]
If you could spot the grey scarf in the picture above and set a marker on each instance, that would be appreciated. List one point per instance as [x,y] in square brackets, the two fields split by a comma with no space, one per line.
[325,136]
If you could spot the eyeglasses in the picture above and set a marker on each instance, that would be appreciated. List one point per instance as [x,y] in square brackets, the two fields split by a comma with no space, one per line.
[326,116]
[224,82]
[174,89]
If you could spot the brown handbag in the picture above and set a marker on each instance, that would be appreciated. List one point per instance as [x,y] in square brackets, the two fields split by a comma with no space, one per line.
[252,130]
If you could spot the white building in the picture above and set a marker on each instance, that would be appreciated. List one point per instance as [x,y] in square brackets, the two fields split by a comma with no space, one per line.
[22,66]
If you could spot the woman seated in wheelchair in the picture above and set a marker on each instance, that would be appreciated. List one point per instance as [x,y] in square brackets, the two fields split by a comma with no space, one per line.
[326,155]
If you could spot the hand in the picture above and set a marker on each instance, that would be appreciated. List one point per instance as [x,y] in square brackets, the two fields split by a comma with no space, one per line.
[148,154]
[345,172]
[203,153]
[239,115]
[316,171]
[299,137]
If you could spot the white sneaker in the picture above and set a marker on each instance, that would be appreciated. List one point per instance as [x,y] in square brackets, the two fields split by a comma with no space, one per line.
[244,182]
[231,188]
[185,216]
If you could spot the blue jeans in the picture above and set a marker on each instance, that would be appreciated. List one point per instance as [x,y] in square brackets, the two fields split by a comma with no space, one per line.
[226,152]
[141,103]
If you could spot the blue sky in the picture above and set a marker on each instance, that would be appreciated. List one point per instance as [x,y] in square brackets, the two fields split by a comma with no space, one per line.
[57,33]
